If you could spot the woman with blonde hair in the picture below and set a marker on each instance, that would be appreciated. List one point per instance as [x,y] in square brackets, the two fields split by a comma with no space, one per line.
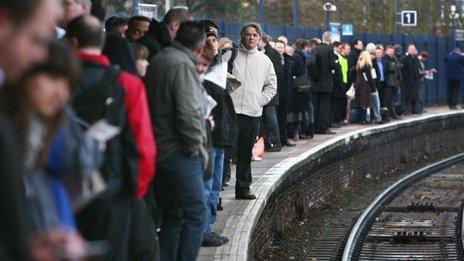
[366,95]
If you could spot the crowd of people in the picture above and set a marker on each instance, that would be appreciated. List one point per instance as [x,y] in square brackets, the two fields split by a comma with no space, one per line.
[92,107]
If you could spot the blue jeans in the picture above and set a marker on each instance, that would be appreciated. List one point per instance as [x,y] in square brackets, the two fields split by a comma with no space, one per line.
[375,107]
[180,191]
[213,188]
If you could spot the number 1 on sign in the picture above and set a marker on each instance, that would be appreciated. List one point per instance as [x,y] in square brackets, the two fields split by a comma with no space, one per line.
[408,18]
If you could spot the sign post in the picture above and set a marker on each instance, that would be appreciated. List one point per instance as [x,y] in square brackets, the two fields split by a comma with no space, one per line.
[459,35]
[347,29]
[334,28]
[148,10]
[409,18]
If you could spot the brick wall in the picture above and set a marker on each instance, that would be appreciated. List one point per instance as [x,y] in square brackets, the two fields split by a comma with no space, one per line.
[313,182]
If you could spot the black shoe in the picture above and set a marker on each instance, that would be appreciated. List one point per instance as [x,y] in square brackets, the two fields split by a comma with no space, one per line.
[335,125]
[327,132]
[224,239]
[273,148]
[246,196]
[219,206]
[288,144]
[211,240]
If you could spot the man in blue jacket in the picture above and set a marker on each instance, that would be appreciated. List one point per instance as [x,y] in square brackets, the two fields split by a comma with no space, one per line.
[454,75]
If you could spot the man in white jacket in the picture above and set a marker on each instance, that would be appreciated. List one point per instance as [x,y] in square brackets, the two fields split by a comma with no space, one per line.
[258,80]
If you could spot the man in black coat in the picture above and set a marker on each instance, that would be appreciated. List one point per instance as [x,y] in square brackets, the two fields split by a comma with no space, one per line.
[323,77]
[356,50]
[411,80]
[270,125]
[338,93]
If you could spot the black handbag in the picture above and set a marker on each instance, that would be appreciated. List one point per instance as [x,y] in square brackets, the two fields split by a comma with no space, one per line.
[302,83]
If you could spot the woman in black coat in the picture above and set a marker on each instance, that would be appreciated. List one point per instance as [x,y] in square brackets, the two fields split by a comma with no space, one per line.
[297,108]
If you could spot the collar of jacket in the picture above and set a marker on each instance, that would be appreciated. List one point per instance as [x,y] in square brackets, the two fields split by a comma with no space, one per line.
[100,59]
[243,49]
[184,49]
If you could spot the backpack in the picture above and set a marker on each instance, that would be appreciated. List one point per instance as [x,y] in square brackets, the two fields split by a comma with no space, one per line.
[100,96]
[94,100]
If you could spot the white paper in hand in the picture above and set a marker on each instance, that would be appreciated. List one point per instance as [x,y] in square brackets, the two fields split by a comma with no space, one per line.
[428,75]
[103,131]
[218,75]
[210,105]
[374,74]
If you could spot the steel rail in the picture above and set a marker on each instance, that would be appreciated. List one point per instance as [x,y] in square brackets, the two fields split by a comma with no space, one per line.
[369,213]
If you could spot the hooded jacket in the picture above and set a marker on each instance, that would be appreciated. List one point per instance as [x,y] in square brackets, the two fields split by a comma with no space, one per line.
[258,80]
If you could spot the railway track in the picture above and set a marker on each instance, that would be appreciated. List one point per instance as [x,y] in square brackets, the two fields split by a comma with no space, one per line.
[420,217]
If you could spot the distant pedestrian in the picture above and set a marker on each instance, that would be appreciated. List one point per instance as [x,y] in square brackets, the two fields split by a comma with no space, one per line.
[355,51]
[393,68]
[381,82]
[411,80]
[297,113]
[323,87]
[137,27]
[454,76]
[365,85]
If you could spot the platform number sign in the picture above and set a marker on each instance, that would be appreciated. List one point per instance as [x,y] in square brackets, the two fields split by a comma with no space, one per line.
[409,18]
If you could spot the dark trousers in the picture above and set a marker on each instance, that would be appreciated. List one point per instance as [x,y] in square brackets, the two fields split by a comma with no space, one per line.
[410,106]
[308,125]
[322,111]
[226,171]
[282,111]
[109,218]
[337,110]
[144,242]
[383,93]
[386,99]
[179,189]
[248,128]
[453,92]
[270,126]
[391,102]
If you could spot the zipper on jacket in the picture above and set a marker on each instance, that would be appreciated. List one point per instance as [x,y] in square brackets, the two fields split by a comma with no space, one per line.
[245,78]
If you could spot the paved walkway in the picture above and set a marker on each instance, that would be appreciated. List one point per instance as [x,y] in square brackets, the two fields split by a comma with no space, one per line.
[239,216]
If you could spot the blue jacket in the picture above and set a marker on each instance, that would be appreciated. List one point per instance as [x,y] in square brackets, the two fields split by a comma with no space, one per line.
[454,66]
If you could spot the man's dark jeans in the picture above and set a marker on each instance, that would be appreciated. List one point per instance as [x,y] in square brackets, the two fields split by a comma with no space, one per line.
[322,111]
[180,191]
[271,126]
[453,92]
[282,111]
[247,131]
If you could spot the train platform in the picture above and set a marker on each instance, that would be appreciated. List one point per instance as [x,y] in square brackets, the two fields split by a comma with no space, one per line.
[240,217]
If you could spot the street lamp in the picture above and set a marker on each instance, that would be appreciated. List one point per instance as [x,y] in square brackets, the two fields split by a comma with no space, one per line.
[328,8]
